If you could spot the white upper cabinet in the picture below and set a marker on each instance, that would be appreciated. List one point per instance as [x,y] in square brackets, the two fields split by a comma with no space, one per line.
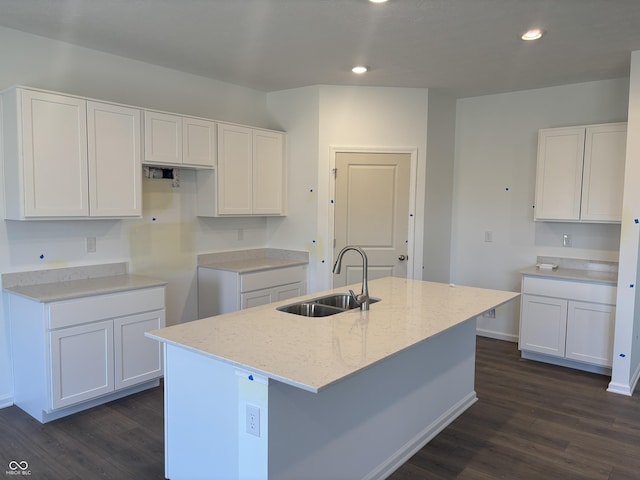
[162,138]
[54,153]
[251,174]
[603,176]
[268,172]
[66,157]
[115,184]
[580,173]
[174,140]
[235,165]
[198,142]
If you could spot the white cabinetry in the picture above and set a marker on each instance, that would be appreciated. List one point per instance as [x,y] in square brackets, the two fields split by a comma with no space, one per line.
[73,354]
[174,140]
[68,157]
[580,173]
[571,320]
[224,291]
[251,174]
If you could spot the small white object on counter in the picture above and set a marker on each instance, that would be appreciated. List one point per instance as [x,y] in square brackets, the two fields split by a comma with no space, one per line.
[547,266]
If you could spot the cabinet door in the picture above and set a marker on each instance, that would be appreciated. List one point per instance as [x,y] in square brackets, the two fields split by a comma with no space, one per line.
[259,297]
[235,170]
[198,142]
[543,325]
[590,328]
[286,292]
[162,138]
[137,358]
[81,363]
[603,177]
[559,174]
[268,173]
[54,148]
[115,184]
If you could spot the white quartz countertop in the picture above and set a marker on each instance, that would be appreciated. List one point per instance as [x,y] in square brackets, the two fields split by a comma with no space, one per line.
[65,290]
[254,260]
[573,274]
[253,264]
[313,353]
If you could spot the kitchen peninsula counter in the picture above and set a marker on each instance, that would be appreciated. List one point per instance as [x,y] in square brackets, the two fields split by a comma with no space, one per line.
[351,395]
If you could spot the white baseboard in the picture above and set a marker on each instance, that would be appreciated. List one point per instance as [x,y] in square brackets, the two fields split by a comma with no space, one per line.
[624,389]
[509,337]
[620,389]
[421,439]
[6,401]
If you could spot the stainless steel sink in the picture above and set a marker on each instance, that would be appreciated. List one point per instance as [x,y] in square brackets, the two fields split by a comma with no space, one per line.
[324,306]
[310,309]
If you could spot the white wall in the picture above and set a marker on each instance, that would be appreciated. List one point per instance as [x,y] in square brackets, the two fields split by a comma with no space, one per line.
[626,348]
[321,117]
[297,110]
[369,117]
[495,162]
[441,125]
[165,247]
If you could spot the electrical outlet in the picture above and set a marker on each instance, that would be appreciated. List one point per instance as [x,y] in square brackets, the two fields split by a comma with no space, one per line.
[566,240]
[490,313]
[91,244]
[253,420]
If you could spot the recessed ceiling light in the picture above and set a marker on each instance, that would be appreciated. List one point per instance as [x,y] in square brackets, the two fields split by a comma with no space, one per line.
[360,69]
[533,34]
[378,1]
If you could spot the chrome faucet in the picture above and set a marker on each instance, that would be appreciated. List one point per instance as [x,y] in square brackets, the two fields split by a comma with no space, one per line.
[363,298]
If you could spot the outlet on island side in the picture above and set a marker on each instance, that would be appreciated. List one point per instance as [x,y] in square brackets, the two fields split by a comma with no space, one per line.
[490,313]
[253,420]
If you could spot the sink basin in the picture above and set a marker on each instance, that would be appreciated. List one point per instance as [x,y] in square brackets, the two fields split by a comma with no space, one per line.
[324,306]
[307,309]
[342,300]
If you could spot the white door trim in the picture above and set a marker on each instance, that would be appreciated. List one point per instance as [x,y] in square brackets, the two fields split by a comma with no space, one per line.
[413,246]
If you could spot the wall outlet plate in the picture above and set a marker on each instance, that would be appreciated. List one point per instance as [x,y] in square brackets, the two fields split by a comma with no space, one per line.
[253,420]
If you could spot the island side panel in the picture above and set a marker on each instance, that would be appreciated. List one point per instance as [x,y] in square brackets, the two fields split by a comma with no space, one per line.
[201,416]
[371,423]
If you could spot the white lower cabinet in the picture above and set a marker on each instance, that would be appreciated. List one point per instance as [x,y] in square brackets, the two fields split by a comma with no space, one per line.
[543,327]
[81,363]
[590,329]
[270,295]
[69,355]
[565,326]
[136,357]
[224,291]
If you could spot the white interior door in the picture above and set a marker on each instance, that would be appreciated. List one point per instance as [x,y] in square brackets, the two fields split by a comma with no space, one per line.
[372,212]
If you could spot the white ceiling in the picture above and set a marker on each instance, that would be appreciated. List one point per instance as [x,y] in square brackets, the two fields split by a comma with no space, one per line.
[469,46]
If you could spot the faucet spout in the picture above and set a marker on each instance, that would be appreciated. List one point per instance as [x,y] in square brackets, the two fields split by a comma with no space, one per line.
[363,298]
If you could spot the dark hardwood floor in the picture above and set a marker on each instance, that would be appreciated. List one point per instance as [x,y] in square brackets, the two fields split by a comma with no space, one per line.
[532,421]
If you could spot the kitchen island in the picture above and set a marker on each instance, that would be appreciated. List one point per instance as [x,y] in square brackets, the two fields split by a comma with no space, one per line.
[261,393]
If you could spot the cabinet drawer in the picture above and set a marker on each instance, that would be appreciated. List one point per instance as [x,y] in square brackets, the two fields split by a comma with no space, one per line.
[571,290]
[271,278]
[90,309]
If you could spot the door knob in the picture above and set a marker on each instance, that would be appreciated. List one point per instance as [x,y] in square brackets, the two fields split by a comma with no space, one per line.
[402,257]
